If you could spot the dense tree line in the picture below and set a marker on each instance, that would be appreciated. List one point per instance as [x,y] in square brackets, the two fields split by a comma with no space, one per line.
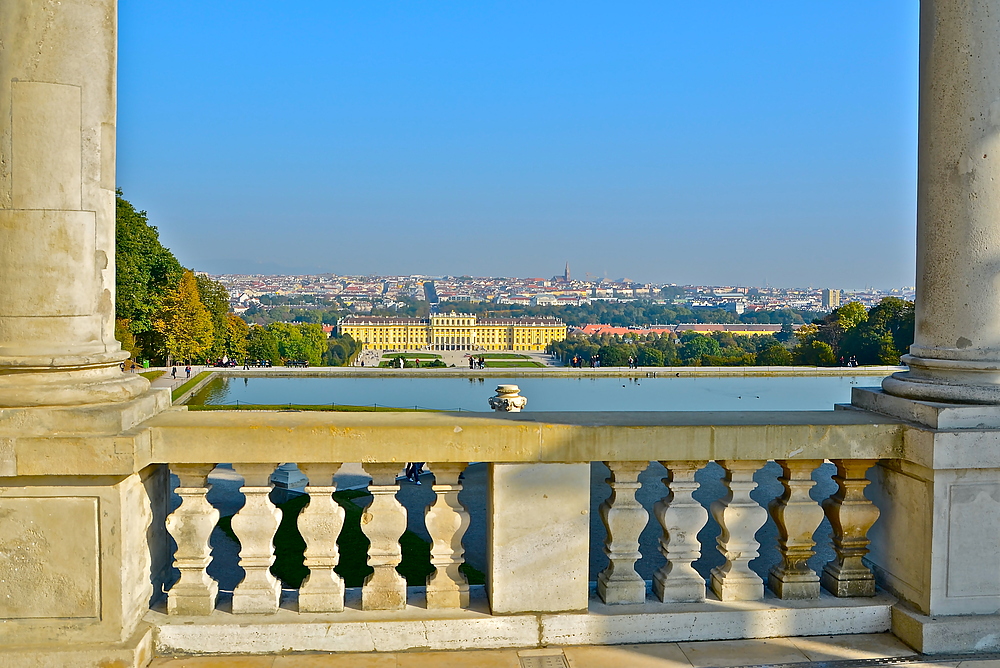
[879,335]
[689,349]
[165,313]
[309,308]
[640,313]
[850,334]
[280,342]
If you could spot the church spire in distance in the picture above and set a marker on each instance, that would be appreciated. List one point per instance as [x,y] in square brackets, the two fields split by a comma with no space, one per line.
[566,273]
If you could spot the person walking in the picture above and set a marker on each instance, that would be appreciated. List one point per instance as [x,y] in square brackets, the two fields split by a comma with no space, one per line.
[413,471]
[173,373]
[188,370]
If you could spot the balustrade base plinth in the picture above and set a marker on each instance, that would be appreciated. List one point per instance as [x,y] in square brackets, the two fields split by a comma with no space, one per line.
[329,598]
[678,591]
[195,604]
[256,600]
[794,586]
[847,583]
[448,599]
[473,627]
[730,588]
[619,592]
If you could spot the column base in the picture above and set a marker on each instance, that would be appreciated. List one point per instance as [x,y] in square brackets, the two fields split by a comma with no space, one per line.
[99,381]
[946,381]
[109,418]
[933,414]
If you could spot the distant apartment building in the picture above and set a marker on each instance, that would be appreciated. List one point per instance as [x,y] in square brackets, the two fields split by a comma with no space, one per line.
[453,331]
[830,298]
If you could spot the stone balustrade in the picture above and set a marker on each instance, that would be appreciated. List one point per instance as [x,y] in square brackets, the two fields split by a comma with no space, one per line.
[679,517]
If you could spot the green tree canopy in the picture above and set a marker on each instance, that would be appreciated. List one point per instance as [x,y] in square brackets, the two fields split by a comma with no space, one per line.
[261,345]
[299,341]
[774,355]
[145,274]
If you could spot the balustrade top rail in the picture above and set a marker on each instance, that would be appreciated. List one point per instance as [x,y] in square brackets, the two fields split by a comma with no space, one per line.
[181,436]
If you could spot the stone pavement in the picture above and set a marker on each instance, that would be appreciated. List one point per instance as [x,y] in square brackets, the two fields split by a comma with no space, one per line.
[822,651]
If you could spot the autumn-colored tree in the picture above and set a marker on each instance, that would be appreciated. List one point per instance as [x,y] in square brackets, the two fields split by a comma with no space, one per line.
[234,339]
[185,323]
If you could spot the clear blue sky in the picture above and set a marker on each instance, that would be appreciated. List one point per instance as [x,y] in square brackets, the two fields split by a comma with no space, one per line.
[689,142]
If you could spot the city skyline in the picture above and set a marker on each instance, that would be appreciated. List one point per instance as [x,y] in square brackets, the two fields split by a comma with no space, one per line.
[727,143]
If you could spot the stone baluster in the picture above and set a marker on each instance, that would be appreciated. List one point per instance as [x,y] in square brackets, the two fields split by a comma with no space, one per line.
[320,523]
[740,517]
[681,518]
[797,517]
[624,519]
[254,525]
[851,515]
[384,521]
[191,527]
[447,520]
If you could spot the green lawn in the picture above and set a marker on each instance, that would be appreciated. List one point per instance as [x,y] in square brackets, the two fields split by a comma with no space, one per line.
[503,356]
[152,375]
[188,385]
[413,356]
[352,542]
[338,408]
[507,363]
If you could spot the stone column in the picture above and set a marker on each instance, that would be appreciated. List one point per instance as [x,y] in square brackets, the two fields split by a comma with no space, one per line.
[955,356]
[57,205]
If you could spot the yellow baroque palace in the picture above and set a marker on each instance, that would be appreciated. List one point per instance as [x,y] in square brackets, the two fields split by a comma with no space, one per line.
[452,331]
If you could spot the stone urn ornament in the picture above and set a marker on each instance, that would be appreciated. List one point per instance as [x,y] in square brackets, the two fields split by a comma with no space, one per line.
[508,400]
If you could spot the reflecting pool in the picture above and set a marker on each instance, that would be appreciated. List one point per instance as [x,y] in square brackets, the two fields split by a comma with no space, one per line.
[546,394]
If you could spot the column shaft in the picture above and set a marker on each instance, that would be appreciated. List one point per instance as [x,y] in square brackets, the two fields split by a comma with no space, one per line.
[955,356]
[57,205]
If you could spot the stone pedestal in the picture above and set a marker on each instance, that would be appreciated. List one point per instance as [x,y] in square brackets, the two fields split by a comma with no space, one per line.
[538,545]
[83,549]
[936,544]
